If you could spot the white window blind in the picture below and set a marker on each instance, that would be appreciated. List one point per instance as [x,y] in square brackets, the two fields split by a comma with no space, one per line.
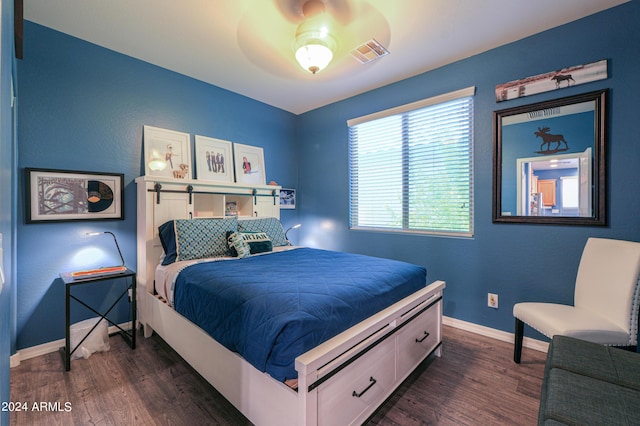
[411,167]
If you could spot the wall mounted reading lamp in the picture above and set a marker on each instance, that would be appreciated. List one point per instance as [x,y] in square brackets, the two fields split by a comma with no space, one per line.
[105,270]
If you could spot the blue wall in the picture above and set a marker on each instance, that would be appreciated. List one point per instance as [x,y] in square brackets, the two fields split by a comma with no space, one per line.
[7,199]
[519,262]
[83,107]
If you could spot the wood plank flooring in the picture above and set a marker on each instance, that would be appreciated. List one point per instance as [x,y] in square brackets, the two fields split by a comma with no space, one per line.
[475,382]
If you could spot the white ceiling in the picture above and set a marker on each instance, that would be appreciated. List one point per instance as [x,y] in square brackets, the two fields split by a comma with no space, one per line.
[245,46]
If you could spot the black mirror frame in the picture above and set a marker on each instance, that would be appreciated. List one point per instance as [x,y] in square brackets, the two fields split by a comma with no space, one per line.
[599,157]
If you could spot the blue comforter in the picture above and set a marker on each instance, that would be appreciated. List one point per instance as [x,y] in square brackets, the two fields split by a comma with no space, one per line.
[272,308]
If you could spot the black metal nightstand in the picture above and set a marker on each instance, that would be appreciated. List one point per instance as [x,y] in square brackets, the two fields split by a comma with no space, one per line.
[71,281]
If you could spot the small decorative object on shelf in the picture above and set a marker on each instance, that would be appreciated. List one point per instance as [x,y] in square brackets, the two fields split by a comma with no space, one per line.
[231,208]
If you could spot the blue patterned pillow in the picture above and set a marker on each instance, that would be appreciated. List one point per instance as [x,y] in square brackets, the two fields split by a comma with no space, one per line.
[270,225]
[200,238]
[186,239]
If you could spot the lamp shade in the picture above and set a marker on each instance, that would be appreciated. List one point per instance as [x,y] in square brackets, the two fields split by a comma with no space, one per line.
[314,44]
[314,57]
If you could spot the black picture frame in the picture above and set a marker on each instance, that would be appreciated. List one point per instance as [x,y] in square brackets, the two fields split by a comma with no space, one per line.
[68,195]
[568,118]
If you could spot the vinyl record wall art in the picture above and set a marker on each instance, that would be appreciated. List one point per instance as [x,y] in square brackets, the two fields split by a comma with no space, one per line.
[62,195]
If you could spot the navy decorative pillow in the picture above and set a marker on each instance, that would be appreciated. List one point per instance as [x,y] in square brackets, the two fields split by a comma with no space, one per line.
[186,239]
[259,242]
[167,235]
[270,225]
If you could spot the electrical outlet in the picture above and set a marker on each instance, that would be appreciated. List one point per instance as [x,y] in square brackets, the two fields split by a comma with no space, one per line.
[492,300]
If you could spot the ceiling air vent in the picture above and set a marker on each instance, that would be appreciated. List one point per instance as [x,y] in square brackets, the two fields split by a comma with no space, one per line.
[369,51]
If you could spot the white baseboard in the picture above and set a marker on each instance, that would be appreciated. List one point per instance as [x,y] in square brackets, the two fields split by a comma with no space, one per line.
[527,342]
[537,345]
[47,348]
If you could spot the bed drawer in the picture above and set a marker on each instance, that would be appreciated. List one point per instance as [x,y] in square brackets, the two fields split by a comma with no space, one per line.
[347,395]
[417,339]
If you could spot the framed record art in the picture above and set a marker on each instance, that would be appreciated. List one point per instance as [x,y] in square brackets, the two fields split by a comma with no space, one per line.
[65,195]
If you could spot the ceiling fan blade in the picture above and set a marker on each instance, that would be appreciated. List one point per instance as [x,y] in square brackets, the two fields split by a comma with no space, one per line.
[369,24]
[292,10]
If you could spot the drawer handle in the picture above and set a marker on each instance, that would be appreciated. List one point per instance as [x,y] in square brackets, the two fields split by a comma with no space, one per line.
[358,395]
[423,337]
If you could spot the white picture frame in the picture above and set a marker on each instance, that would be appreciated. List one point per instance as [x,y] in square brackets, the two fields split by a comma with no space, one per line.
[287,198]
[169,147]
[249,164]
[214,159]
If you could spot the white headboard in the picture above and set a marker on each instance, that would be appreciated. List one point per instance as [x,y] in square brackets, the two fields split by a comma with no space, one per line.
[163,199]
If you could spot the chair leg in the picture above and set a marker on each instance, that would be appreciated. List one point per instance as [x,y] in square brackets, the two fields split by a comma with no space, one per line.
[517,346]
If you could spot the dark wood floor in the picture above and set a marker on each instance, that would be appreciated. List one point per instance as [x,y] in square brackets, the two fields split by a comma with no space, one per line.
[475,382]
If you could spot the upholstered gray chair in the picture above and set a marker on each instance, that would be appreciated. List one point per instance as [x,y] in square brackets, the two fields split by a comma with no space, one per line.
[606,298]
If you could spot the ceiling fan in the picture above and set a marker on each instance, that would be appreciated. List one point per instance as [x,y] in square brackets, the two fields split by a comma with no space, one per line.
[274,35]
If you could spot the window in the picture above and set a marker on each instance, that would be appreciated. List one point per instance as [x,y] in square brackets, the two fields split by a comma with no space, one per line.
[411,167]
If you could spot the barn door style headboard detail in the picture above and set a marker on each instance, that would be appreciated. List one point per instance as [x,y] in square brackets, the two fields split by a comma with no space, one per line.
[157,188]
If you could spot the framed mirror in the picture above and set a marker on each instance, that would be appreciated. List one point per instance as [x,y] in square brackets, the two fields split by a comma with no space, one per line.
[549,162]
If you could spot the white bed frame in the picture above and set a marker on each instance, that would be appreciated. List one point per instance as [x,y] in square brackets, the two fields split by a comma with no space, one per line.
[342,381]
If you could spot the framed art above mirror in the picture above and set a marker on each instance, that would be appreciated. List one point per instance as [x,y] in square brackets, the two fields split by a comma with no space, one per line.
[549,162]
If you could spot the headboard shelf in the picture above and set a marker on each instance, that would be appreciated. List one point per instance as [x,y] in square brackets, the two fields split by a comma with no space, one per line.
[259,191]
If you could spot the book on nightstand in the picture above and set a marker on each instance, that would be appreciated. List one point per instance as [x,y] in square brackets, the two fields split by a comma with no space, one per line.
[91,273]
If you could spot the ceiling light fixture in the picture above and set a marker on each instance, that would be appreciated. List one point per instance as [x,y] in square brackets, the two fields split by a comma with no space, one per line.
[314,43]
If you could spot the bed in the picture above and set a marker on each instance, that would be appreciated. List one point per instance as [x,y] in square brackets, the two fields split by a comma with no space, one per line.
[294,364]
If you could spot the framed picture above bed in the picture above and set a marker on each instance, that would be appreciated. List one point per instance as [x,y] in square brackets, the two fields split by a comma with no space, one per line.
[249,164]
[65,195]
[167,153]
[214,159]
